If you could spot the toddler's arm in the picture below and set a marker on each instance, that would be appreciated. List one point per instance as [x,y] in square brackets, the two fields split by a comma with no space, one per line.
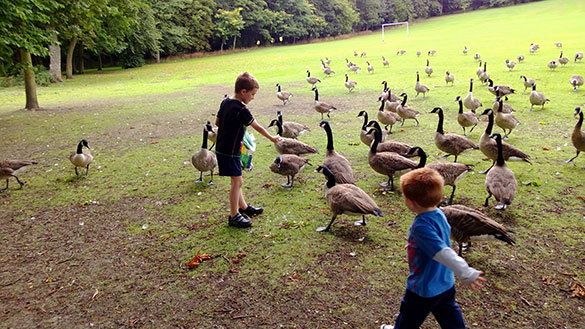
[468,275]
[264,132]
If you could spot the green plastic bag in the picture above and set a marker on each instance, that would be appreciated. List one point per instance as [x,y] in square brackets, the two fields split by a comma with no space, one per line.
[248,148]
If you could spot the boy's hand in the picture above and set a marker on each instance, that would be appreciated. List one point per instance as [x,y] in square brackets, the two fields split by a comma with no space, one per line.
[275,139]
[476,285]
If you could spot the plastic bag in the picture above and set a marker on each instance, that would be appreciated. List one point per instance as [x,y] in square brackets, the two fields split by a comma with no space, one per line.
[248,148]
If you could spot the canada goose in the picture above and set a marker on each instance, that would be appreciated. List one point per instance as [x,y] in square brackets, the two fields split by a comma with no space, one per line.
[387,95]
[449,78]
[406,112]
[578,56]
[349,84]
[291,129]
[559,44]
[468,224]
[552,65]
[510,64]
[505,120]
[431,52]
[322,107]
[484,76]
[469,101]
[527,82]
[500,181]
[354,67]
[387,118]
[479,70]
[328,61]
[520,58]
[418,54]
[452,144]
[385,62]
[289,145]
[11,168]
[391,106]
[504,90]
[477,57]
[428,69]
[496,105]
[288,165]
[537,98]
[336,162]
[364,137]
[577,137]
[389,163]
[355,54]
[466,119]
[211,134]
[465,50]
[388,145]
[284,96]
[323,65]
[420,88]
[451,171]
[347,63]
[563,60]
[363,54]
[82,157]
[204,160]
[347,199]
[489,146]
[311,80]
[327,70]
[401,52]
[533,48]
[370,67]
[576,80]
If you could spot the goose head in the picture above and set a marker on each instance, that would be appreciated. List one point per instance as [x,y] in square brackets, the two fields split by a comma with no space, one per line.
[437,110]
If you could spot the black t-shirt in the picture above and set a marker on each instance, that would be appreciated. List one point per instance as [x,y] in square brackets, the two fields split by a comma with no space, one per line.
[233,116]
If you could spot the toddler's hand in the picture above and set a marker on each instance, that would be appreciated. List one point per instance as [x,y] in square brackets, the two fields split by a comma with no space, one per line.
[476,285]
[275,139]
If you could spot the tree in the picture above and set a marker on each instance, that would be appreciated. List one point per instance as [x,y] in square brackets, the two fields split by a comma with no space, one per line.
[338,16]
[228,24]
[369,11]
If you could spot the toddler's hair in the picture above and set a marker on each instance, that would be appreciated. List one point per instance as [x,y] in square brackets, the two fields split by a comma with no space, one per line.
[246,81]
[423,186]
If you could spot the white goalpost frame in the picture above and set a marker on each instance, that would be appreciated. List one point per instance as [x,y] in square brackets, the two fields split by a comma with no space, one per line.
[391,24]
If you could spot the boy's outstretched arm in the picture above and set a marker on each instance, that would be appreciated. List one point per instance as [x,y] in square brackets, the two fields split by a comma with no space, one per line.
[264,132]
[468,275]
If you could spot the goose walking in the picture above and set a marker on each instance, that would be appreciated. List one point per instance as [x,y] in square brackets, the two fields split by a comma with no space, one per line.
[420,88]
[527,82]
[505,120]
[510,64]
[451,144]
[576,81]
[578,56]
[385,62]
[336,162]
[466,119]
[563,60]
[406,112]
[577,137]
[82,157]
[204,160]
[370,67]
[284,96]
[322,107]
[428,69]
[537,98]
[387,118]
[469,101]
[312,80]
[484,76]
[500,181]
[449,78]
[288,165]
[364,137]
[349,84]
[12,168]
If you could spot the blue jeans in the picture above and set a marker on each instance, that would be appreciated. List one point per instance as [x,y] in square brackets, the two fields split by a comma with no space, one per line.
[414,309]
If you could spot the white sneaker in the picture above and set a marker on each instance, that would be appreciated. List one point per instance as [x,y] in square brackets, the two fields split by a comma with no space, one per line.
[386,326]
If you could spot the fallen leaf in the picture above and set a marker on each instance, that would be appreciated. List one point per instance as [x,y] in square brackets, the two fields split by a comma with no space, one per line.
[581,197]
[241,255]
[235,260]
[294,277]
[548,281]
[578,290]
[544,148]
[154,142]
[96,292]
[132,127]
[266,185]
[193,262]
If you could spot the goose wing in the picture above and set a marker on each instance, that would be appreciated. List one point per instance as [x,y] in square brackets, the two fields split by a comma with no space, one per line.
[293,146]
[347,198]
[472,222]
[341,168]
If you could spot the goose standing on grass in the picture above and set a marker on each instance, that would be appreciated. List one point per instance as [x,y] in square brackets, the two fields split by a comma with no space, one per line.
[385,62]
[578,56]
[347,199]
[451,144]
[527,82]
[312,80]
[449,78]
[504,90]
[389,163]
[576,80]
[500,181]
[401,52]
[336,162]
[347,63]
[428,69]
[354,67]
[363,54]
[82,157]
[466,119]
[520,58]
[388,145]
[468,224]
[479,70]
[364,137]
[322,107]
[533,48]
[327,70]
[431,52]
[563,60]
[552,65]
[370,67]
[489,147]
[577,137]
[418,54]
[387,118]
[451,171]
[477,57]
[505,120]
[484,76]
[204,160]
[211,133]
[349,84]
[291,129]
[289,145]
[559,44]
[510,64]
[11,168]
[284,96]
[355,54]
[406,112]
[420,88]
[469,101]
[327,61]
[465,50]
[537,98]
[288,165]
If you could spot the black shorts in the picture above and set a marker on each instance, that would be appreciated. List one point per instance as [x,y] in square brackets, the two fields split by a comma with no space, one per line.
[229,165]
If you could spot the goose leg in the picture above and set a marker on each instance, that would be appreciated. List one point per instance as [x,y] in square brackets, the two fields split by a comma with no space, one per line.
[485,204]
[450,201]
[464,133]
[19,182]
[321,116]
[211,181]
[360,222]
[86,170]
[287,184]
[292,181]
[402,124]
[200,178]
[531,106]
[390,131]
[455,158]
[328,115]
[473,127]
[326,228]
[488,169]
[76,172]
[391,179]
[415,119]
[570,160]
[4,189]
[212,146]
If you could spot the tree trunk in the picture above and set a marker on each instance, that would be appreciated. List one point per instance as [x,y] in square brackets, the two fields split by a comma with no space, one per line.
[100,65]
[158,56]
[234,46]
[30,85]
[81,64]
[69,64]
[55,64]
[221,49]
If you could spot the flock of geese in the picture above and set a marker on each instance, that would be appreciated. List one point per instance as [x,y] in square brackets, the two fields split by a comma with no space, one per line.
[392,158]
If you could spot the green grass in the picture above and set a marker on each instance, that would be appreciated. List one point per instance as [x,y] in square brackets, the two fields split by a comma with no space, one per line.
[144,124]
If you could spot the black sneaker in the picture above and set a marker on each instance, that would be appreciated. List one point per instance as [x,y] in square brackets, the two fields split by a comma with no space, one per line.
[239,221]
[251,211]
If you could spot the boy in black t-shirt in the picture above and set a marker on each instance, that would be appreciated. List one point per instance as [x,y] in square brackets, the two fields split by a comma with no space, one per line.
[232,119]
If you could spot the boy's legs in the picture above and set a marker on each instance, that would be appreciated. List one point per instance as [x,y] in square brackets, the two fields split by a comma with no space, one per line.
[447,312]
[236,195]
[413,311]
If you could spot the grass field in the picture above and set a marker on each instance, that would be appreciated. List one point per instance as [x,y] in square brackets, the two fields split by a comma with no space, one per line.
[108,250]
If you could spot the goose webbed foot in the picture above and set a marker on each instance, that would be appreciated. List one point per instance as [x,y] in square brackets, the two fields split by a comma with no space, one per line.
[500,207]
[567,161]
[200,180]
[211,183]
[326,228]
[360,222]
[485,204]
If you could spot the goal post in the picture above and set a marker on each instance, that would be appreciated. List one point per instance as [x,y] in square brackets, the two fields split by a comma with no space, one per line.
[392,24]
